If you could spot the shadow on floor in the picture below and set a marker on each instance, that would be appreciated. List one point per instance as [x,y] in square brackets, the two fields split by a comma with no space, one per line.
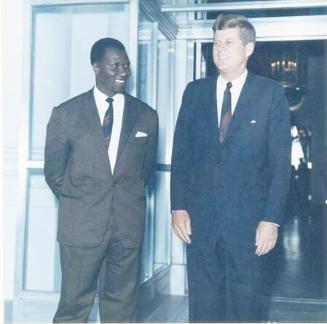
[299,285]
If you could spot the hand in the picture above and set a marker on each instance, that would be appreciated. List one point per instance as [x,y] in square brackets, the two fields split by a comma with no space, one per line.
[182,225]
[266,237]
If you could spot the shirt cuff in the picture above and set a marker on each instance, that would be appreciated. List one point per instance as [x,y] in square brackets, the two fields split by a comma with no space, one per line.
[273,223]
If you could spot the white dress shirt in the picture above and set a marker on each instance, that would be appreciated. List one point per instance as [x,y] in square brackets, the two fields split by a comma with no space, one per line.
[235,91]
[118,106]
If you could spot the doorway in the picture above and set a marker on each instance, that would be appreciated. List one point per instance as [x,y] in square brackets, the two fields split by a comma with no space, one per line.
[300,257]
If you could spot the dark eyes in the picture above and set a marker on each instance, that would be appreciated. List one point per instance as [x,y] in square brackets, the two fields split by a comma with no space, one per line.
[226,43]
[119,65]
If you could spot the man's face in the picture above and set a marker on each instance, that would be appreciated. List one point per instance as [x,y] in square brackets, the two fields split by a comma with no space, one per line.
[230,54]
[112,72]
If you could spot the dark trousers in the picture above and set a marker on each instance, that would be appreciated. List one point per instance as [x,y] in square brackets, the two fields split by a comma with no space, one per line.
[226,283]
[112,267]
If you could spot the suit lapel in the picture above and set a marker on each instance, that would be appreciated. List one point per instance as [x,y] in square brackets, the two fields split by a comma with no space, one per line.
[212,104]
[242,108]
[90,116]
[130,116]
[211,135]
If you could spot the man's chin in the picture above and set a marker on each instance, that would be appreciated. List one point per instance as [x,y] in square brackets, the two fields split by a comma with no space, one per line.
[120,89]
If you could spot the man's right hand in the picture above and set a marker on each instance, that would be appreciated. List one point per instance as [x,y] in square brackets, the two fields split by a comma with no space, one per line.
[182,225]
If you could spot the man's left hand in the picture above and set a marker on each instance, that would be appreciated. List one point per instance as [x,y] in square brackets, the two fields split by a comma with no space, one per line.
[266,237]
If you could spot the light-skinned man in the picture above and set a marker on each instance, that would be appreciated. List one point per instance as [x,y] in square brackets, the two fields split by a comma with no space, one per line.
[230,178]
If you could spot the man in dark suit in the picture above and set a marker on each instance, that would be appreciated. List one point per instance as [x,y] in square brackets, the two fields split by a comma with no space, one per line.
[99,153]
[230,178]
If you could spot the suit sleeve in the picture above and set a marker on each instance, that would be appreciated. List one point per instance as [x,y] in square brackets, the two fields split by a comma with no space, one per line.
[56,153]
[181,157]
[279,157]
[150,157]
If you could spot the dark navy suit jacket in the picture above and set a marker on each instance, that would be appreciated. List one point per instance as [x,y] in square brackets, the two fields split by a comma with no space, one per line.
[230,187]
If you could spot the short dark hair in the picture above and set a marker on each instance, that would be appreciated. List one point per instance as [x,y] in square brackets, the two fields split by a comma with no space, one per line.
[247,31]
[99,47]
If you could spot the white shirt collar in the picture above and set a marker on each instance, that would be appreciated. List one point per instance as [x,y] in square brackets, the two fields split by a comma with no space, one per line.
[237,86]
[100,97]
[118,106]
[236,83]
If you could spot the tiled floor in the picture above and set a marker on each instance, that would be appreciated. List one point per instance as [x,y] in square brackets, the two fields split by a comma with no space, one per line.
[299,293]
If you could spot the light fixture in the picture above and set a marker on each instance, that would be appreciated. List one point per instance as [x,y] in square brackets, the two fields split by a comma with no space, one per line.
[288,66]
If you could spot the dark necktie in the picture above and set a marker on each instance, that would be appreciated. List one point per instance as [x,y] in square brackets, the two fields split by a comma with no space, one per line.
[108,121]
[226,113]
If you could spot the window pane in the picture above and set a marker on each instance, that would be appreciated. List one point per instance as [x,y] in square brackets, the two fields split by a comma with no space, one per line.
[41,249]
[264,12]
[162,231]
[60,66]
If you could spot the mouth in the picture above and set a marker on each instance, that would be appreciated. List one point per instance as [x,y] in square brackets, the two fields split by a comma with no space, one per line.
[120,82]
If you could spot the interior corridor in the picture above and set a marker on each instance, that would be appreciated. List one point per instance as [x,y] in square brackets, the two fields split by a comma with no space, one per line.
[300,286]
[169,42]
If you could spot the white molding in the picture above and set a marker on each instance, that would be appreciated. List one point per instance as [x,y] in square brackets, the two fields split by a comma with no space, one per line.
[268,29]
[10,162]
[166,25]
[39,307]
[198,60]
[291,28]
[23,149]
[73,2]
[246,5]
[154,64]
[34,164]
[306,301]
[2,209]
[178,280]
[133,37]
[144,35]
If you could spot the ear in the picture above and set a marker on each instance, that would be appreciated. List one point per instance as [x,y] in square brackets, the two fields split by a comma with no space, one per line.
[249,47]
[96,68]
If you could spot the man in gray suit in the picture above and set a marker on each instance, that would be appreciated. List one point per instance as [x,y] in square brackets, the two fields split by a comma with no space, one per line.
[99,153]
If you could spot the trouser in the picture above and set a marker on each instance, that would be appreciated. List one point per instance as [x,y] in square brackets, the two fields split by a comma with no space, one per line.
[226,283]
[111,266]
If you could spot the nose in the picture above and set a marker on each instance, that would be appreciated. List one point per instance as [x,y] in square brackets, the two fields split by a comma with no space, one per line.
[124,71]
[221,48]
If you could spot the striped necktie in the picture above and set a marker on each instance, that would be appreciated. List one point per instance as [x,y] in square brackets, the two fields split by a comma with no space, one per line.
[108,121]
[226,113]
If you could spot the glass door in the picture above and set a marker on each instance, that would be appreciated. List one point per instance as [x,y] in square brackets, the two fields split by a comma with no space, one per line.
[61,38]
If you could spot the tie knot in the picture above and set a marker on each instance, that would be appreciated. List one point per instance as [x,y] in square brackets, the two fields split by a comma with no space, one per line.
[109,100]
[229,85]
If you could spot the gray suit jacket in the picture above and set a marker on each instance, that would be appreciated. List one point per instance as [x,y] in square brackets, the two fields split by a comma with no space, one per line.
[77,169]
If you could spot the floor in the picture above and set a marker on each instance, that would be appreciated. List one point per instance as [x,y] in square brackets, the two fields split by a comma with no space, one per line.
[300,286]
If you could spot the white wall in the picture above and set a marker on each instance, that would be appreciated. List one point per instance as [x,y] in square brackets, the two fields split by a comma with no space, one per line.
[13,103]
[16,101]
[1,173]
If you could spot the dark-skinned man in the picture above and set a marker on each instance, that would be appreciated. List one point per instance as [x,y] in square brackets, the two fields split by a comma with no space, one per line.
[99,154]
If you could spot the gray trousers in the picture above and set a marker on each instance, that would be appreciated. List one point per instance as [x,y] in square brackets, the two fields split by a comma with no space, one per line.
[111,267]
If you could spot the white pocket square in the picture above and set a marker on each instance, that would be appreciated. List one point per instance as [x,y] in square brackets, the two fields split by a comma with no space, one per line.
[253,121]
[141,134]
